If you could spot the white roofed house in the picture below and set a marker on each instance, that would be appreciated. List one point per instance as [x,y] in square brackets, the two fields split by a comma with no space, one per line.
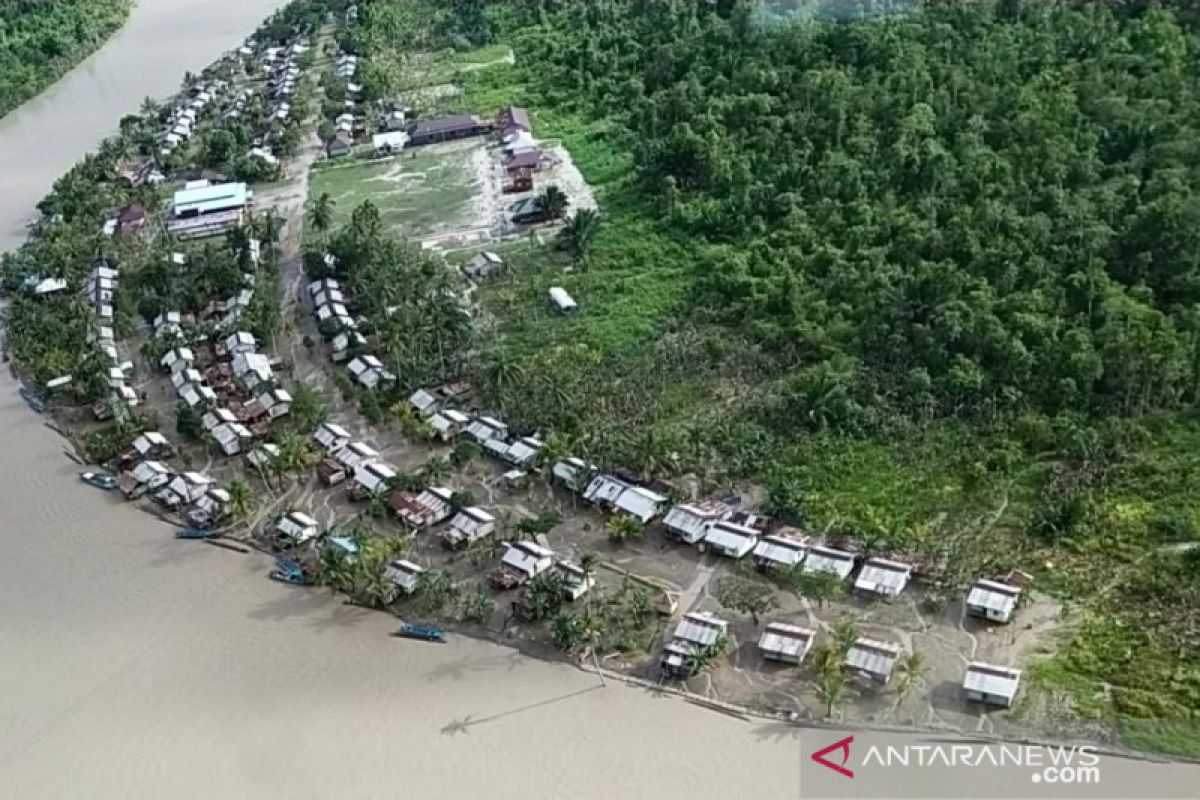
[483,429]
[217,417]
[695,633]
[992,600]
[341,345]
[264,455]
[576,581]
[325,284]
[778,551]
[561,301]
[146,476]
[730,539]
[992,684]
[786,643]
[883,577]
[469,525]
[689,522]
[296,527]
[331,296]
[232,438]
[178,359]
[448,423]
[331,437]
[872,661]
[573,474]
[168,323]
[822,558]
[185,489]
[372,478]
[521,562]
[368,371]
[252,370]
[524,452]
[355,454]
[211,507]
[148,445]
[197,394]
[275,401]
[404,575]
[603,490]
[423,403]
[640,503]
[240,342]
[186,376]
[430,507]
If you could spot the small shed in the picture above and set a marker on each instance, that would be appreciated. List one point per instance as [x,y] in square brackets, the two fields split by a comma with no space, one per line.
[448,423]
[694,633]
[275,401]
[561,301]
[992,600]
[404,575]
[484,429]
[240,342]
[372,478]
[423,402]
[524,452]
[340,145]
[822,558]
[730,539]
[576,581]
[521,562]
[355,454]
[331,437]
[469,526]
[296,527]
[991,684]
[883,577]
[778,551]
[787,643]
[178,359]
[232,437]
[573,474]
[873,661]
[689,522]
[484,265]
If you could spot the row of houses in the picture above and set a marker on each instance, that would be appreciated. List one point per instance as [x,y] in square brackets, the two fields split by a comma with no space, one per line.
[871,662]
[184,117]
[348,123]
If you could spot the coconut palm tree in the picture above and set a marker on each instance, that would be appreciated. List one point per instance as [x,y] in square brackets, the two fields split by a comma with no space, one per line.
[913,671]
[553,201]
[242,501]
[832,690]
[436,470]
[622,528]
[320,212]
[149,107]
[844,634]
[577,235]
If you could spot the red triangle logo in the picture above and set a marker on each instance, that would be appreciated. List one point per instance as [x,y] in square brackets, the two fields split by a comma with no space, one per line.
[842,747]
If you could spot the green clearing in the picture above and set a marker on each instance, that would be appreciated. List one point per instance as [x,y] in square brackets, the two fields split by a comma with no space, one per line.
[417,193]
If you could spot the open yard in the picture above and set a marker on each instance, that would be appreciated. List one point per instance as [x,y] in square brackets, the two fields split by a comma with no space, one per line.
[422,192]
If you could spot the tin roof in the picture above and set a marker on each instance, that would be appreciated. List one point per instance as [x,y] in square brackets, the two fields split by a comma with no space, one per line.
[828,559]
[701,628]
[991,679]
[994,596]
[779,550]
[790,640]
[881,576]
[873,656]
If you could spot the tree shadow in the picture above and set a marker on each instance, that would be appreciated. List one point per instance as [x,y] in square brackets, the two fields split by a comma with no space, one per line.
[463,725]
[458,670]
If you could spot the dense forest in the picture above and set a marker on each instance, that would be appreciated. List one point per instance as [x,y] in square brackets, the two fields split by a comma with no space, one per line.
[42,39]
[905,263]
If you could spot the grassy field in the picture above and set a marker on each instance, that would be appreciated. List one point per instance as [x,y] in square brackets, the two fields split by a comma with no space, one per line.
[418,193]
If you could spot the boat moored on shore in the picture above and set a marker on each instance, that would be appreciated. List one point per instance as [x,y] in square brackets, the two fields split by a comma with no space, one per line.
[100,480]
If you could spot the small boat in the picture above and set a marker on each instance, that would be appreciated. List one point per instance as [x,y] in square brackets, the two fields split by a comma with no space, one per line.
[196,533]
[426,633]
[288,571]
[34,402]
[101,480]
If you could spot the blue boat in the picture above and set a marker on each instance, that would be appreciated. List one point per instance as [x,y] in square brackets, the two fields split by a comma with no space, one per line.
[426,633]
[288,571]
[196,533]
[35,402]
[101,480]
